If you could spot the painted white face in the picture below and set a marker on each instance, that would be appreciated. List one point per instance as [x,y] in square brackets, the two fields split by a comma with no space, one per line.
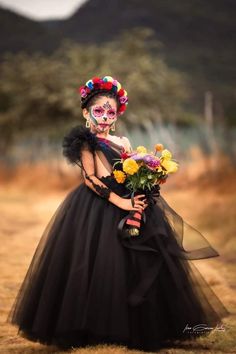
[103,114]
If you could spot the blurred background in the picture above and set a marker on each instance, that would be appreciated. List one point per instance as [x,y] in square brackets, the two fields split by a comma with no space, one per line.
[176,59]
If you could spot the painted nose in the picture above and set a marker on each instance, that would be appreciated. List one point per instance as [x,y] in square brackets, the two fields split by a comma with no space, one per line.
[104,118]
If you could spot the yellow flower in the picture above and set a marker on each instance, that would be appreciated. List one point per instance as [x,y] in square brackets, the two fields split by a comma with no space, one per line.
[118,86]
[130,166]
[159,147]
[166,154]
[120,176]
[141,149]
[170,166]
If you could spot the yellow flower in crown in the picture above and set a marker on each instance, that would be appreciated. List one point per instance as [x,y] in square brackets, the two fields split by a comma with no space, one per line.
[120,176]
[130,166]
[141,149]
[166,154]
[170,166]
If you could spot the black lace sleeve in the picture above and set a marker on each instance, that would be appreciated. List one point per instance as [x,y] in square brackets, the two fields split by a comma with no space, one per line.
[103,191]
[79,147]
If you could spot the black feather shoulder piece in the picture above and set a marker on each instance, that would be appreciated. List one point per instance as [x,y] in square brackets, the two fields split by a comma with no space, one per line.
[78,138]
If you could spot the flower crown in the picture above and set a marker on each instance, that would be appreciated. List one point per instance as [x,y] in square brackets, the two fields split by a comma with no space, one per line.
[107,83]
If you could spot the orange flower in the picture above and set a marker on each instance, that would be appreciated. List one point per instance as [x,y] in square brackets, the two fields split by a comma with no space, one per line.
[120,176]
[159,147]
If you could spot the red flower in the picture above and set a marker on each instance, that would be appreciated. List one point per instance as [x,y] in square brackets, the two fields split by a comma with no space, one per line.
[121,92]
[96,85]
[106,86]
[96,80]
[122,108]
[124,155]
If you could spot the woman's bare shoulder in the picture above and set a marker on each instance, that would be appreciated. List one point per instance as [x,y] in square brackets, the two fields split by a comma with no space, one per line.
[121,140]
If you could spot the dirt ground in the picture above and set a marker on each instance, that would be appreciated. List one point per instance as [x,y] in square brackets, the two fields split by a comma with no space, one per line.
[25,209]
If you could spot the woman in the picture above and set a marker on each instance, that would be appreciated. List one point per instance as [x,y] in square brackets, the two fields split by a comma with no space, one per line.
[87,284]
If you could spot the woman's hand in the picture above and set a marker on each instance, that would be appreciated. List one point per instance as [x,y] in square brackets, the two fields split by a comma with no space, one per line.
[139,203]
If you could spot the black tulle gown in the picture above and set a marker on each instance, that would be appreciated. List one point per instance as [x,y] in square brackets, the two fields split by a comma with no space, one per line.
[87,285]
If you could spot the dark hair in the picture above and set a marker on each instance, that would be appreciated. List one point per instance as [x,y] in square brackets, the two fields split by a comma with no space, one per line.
[95,95]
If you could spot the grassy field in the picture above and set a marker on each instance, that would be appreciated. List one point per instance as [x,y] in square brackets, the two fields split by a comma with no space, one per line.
[210,207]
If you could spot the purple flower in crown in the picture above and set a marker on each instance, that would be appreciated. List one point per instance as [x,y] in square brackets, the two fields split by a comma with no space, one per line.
[123,99]
[83,92]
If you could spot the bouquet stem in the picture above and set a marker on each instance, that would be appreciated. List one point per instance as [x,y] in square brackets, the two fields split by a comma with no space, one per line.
[129,226]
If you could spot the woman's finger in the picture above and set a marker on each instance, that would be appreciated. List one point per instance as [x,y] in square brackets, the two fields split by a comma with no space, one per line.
[140,202]
[139,196]
[138,208]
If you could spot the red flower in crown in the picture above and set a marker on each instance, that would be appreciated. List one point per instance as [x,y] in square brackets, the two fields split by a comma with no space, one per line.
[121,92]
[97,80]
[107,86]
[122,108]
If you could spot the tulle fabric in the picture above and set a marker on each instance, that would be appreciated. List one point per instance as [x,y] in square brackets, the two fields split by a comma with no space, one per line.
[86,285]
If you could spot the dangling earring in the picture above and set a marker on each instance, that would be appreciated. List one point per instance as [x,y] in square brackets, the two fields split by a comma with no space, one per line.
[113,127]
[87,123]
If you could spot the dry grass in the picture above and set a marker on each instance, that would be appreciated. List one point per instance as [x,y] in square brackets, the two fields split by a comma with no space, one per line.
[24,211]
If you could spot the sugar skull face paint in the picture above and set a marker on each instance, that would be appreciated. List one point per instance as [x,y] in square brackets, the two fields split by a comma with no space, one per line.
[98,112]
[103,114]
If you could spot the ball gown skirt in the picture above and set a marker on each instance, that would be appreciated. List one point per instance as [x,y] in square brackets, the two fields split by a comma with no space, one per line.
[87,285]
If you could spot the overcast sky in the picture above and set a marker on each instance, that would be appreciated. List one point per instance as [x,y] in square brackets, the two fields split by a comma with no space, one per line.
[43,9]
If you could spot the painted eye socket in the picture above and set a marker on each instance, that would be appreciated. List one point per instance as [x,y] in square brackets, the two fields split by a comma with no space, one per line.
[98,111]
[111,113]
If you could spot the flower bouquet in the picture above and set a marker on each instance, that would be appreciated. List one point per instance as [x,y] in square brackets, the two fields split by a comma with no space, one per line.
[142,172]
